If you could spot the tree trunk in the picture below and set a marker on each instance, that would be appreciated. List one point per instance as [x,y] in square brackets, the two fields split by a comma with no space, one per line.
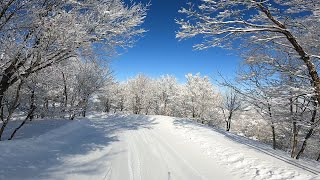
[294,140]
[23,122]
[310,132]
[65,93]
[11,109]
[228,126]
[4,125]
[121,106]
[85,106]
[84,113]
[229,121]
[4,84]
[1,113]
[274,141]
[193,113]
[32,105]
[304,144]
[46,104]
[3,89]
[294,127]
[107,106]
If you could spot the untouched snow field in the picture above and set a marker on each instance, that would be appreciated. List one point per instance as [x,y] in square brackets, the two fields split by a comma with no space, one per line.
[119,147]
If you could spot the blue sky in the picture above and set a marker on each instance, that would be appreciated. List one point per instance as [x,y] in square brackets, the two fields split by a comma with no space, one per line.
[159,52]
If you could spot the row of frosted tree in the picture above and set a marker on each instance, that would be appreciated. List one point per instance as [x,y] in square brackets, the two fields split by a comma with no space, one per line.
[164,96]
[265,114]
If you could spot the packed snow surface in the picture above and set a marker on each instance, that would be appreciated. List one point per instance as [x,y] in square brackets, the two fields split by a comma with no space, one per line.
[133,147]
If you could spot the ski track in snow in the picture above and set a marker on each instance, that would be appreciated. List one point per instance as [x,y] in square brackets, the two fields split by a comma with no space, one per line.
[134,147]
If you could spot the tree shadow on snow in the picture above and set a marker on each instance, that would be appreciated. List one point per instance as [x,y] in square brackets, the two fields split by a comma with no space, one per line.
[46,157]
[33,129]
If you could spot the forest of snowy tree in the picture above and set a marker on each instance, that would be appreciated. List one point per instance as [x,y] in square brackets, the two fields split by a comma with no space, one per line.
[52,61]
[51,53]
[249,113]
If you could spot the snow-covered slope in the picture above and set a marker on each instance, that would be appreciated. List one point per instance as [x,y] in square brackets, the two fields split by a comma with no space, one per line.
[133,147]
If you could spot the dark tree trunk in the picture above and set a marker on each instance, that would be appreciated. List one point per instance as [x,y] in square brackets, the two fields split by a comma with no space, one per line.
[121,107]
[4,125]
[65,93]
[23,122]
[304,144]
[274,142]
[4,83]
[32,106]
[85,106]
[1,113]
[11,109]
[318,158]
[229,121]
[310,132]
[107,106]
[194,115]
[4,86]
[294,140]
[46,104]
[84,113]
[147,111]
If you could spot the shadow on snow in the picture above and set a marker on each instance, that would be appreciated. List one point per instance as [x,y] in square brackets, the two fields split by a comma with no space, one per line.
[43,156]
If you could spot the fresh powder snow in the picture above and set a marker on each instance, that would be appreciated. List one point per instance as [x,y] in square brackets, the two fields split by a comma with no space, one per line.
[137,147]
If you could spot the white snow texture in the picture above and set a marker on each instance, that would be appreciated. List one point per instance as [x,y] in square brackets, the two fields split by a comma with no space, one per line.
[136,147]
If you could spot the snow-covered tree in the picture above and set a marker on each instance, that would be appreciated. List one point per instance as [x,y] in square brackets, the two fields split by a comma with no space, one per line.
[35,35]
[200,94]
[231,103]
[280,37]
[42,33]
[112,97]
[88,81]
[137,90]
[274,25]
[165,93]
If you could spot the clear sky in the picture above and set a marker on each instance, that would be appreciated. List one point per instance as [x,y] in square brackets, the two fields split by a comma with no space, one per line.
[159,52]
